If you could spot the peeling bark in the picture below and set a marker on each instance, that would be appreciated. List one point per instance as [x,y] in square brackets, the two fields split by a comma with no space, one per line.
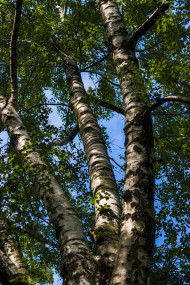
[104,188]
[78,265]
[134,258]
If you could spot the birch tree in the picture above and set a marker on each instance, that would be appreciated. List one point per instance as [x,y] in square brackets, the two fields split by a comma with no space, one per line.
[62,202]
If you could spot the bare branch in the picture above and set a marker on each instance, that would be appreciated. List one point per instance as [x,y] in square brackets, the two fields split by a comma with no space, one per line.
[105,104]
[75,130]
[13,53]
[94,64]
[40,66]
[160,101]
[96,100]
[100,102]
[47,104]
[117,163]
[55,47]
[141,31]
[68,139]
[169,114]
[98,73]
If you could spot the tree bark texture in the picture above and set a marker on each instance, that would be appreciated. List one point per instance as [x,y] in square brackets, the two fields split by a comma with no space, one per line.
[78,265]
[134,258]
[11,265]
[13,53]
[104,187]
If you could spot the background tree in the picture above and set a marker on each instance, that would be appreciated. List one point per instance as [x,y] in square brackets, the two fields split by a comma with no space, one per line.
[49,30]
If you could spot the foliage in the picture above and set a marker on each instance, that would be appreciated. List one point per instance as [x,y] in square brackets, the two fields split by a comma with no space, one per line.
[164,63]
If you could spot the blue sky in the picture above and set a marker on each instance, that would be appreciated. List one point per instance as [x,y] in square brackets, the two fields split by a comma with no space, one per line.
[116,137]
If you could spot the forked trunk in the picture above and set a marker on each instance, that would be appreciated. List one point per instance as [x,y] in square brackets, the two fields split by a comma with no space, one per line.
[134,258]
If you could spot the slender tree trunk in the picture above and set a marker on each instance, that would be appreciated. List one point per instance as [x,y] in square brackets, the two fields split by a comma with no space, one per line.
[104,188]
[13,53]
[11,265]
[78,265]
[134,258]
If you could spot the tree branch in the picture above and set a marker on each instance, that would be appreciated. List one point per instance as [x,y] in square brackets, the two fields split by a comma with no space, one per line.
[94,64]
[13,53]
[68,139]
[105,104]
[75,130]
[111,158]
[47,104]
[102,103]
[141,31]
[160,101]
[98,73]
[169,114]
[96,100]
[150,47]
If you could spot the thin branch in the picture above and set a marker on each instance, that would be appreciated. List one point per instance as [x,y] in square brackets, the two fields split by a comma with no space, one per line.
[116,163]
[13,53]
[62,54]
[39,238]
[170,136]
[47,104]
[160,101]
[40,66]
[98,73]
[68,139]
[94,64]
[148,48]
[75,130]
[32,56]
[27,84]
[96,100]
[105,104]
[100,102]
[141,31]
[169,114]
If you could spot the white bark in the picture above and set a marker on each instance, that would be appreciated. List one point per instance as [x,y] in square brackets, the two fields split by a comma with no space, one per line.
[11,265]
[134,258]
[104,187]
[78,264]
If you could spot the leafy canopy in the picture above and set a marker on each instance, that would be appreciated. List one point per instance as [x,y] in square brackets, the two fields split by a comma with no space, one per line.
[164,64]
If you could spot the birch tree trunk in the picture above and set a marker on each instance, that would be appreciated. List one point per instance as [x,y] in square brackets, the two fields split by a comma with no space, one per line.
[78,265]
[104,187]
[134,258]
[11,265]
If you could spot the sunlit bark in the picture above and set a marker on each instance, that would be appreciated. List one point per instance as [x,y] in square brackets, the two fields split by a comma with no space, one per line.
[135,250]
[104,188]
[78,265]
